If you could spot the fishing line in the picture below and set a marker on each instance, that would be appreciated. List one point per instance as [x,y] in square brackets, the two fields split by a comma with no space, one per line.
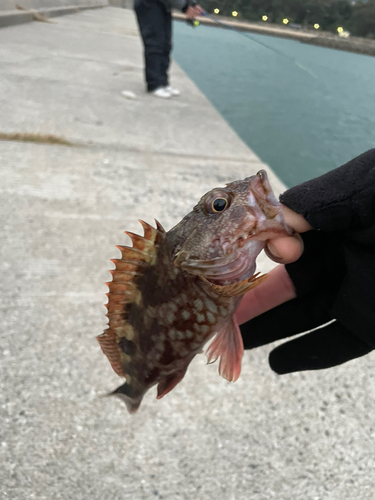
[272,49]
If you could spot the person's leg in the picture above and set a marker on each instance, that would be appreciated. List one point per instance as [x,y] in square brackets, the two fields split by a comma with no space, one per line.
[167,51]
[167,47]
[151,19]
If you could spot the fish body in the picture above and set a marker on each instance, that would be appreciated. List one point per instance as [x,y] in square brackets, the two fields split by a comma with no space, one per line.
[174,291]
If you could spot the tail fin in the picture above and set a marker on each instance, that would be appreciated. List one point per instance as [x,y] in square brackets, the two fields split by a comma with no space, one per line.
[126,394]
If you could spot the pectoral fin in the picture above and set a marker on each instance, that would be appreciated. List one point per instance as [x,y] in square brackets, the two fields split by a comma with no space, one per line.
[239,288]
[228,346]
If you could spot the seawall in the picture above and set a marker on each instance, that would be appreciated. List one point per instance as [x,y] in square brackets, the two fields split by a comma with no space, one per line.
[324,39]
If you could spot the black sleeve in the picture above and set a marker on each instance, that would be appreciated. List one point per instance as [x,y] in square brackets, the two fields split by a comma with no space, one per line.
[189,3]
[320,267]
[340,200]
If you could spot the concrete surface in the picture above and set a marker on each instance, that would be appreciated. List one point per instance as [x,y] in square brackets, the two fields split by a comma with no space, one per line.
[303,436]
[124,4]
[24,11]
[47,4]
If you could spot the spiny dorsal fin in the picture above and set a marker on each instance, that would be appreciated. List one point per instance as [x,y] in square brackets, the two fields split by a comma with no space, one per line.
[140,242]
[159,227]
[123,291]
[150,232]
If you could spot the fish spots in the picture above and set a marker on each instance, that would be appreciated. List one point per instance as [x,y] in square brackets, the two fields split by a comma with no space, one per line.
[200,318]
[173,307]
[172,334]
[137,297]
[151,311]
[198,304]
[169,317]
[185,315]
[211,306]
[200,331]
[182,351]
[166,314]
[159,344]
[177,335]
[210,318]
[223,311]
[126,331]
[182,300]
[149,315]
[205,329]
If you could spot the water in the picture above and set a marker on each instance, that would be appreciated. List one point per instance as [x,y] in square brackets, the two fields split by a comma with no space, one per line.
[303,109]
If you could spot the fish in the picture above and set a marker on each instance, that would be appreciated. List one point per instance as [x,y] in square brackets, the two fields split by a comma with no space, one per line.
[173,291]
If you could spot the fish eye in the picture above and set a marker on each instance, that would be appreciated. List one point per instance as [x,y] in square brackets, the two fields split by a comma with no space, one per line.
[219,204]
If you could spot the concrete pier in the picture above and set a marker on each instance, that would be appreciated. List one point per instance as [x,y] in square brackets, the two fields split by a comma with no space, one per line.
[63,209]
[24,11]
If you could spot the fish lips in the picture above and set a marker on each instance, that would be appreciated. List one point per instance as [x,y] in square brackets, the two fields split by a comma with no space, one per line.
[227,269]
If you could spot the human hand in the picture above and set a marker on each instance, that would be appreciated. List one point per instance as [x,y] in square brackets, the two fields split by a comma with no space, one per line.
[194,11]
[278,287]
[272,311]
[329,288]
[289,248]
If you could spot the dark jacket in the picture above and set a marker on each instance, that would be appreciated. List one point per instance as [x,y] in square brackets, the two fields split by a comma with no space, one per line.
[339,256]
[177,4]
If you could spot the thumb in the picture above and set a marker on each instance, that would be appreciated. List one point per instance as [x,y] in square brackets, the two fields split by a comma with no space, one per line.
[285,250]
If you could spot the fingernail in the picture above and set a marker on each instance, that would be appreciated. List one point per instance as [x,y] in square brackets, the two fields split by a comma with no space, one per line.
[272,253]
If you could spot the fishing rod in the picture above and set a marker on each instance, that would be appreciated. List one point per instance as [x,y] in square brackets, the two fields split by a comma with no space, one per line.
[195,23]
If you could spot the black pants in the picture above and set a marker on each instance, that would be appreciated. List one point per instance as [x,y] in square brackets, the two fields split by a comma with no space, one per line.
[155,24]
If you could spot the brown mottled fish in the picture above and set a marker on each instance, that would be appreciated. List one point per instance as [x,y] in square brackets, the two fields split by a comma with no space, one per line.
[173,291]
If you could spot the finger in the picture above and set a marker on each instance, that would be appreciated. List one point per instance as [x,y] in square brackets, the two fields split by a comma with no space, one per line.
[295,316]
[294,220]
[326,347]
[285,250]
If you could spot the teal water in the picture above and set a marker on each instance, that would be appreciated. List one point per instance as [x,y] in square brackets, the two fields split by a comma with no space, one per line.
[304,109]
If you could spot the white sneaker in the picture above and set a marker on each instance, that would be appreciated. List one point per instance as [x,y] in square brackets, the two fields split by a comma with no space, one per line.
[162,92]
[173,91]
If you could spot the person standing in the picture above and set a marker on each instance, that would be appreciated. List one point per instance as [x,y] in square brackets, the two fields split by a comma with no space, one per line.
[155,24]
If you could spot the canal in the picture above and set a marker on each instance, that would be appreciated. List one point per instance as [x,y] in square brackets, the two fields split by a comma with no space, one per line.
[303,109]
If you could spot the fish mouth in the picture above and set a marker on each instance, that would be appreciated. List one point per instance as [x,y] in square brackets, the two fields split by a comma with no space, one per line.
[237,266]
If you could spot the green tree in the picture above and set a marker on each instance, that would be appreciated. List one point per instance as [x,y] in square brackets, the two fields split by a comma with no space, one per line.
[359,19]
[363,19]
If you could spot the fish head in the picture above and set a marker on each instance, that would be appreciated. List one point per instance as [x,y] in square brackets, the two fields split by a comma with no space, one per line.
[222,236]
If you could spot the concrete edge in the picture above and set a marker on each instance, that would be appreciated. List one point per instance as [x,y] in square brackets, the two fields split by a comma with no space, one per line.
[13,17]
